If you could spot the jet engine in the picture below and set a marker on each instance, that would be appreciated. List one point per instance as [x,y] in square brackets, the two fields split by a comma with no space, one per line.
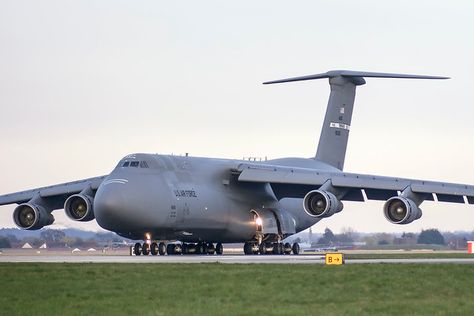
[79,207]
[400,210]
[31,216]
[319,203]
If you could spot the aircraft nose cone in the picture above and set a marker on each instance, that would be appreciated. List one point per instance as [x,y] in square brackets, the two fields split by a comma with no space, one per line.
[109,206]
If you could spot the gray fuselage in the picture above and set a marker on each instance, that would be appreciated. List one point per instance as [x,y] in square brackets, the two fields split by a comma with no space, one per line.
[190,199]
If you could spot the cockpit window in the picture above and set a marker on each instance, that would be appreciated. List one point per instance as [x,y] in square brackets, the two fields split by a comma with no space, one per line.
[135,164]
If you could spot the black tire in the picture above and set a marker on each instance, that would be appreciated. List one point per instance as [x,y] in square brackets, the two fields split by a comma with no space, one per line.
[154,248]
[199,248]
[287,248]
[204,248]
[170,249]
[255,249]
[162,248]
[280,248]
[210,248]
[191,249]
[248,248]
[145,249]
[137,249]
[262,249]
[296,248]
[185,248]
[178,249]
[277,248]
[219,249]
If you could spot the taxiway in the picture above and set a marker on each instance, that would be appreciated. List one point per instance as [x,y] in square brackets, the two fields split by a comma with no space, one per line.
[231,259]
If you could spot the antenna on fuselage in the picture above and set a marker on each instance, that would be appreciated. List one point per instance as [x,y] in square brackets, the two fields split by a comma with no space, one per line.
[337,122]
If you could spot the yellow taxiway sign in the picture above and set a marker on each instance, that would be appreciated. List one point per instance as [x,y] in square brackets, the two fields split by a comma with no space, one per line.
[334,258]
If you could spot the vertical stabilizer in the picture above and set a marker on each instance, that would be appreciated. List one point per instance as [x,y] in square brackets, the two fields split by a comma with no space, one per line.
[337,121]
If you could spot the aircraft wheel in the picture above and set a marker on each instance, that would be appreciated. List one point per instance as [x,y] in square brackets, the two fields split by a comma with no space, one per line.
[185,248]
[296,248]
[255,249]
[287,248]
[178,249]
[262,249]
[170,249]
[137,249]
[154,249]
[204,248]
[280,248]
[145,249]
[219,249]
[162,248]
[210,248]
[248,248]
[277,248]
[191,249]
[199,248]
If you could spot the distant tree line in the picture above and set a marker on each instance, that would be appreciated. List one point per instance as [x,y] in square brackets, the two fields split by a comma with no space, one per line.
[56,238]
[425,237]
[430,237]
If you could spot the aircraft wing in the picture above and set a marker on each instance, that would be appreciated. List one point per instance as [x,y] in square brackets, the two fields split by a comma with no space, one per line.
[55,193]
[296,182]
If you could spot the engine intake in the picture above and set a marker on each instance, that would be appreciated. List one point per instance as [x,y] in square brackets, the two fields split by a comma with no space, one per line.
[321,204]
[31,216]
[79,207]
[400,210]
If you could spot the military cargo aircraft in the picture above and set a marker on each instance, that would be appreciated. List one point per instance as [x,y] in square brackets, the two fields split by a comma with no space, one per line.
[184,205]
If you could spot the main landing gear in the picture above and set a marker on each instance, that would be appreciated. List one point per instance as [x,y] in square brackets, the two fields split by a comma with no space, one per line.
[200,248]
[267,248]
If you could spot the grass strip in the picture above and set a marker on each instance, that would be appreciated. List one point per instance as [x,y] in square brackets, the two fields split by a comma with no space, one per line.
[237,289]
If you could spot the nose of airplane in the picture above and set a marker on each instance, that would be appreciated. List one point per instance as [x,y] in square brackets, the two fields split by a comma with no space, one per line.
[132,204]
[110,209]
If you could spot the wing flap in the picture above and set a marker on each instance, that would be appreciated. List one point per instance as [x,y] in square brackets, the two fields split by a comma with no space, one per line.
[354,195]
[470,199]
[450,198]
[380,194]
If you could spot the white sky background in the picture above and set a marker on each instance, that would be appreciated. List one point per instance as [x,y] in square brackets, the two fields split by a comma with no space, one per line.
[83,83]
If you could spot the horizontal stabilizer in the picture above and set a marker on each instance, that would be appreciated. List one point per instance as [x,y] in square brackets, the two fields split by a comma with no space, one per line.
[354,74]
[337,121]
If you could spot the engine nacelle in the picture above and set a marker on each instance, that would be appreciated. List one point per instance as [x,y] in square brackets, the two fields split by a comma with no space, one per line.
[79,207]
[321,204]
[31,216]
[400,210]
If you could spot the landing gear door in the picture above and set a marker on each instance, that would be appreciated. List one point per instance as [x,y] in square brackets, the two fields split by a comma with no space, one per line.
[269,223]
[287,222]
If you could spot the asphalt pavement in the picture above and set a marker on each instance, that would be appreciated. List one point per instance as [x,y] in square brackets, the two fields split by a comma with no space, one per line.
[242,259]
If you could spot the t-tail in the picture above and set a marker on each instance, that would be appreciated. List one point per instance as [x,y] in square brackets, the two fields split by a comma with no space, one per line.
[337,122]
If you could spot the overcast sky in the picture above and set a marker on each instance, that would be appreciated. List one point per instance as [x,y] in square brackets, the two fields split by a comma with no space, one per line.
[83,83]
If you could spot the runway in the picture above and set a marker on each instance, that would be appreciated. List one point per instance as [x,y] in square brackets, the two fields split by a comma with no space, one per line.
[229,259]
